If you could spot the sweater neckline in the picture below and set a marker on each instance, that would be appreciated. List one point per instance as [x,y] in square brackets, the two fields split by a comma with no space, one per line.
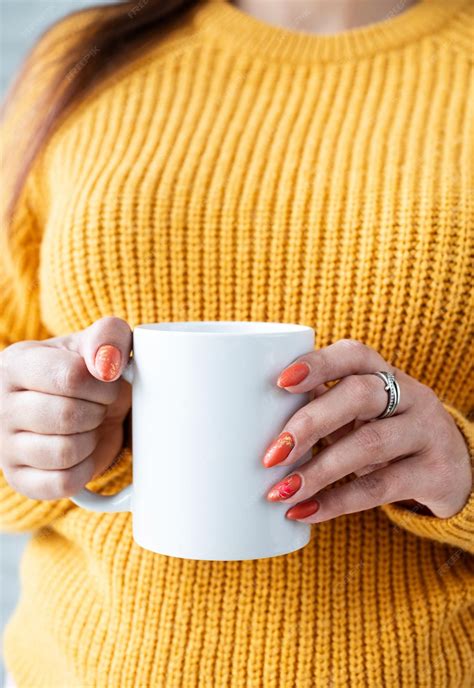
[244,32]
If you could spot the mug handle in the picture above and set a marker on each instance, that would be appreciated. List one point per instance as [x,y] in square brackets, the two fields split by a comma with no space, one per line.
[122,501]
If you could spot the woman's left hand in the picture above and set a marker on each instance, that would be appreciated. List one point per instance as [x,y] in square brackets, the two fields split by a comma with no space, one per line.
[416,454]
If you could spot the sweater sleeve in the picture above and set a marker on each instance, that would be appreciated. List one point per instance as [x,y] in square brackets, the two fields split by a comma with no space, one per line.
[20,320]
[20,245]
[458,530]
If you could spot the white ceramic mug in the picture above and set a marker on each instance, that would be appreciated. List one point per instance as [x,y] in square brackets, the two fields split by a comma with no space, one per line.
[205,407]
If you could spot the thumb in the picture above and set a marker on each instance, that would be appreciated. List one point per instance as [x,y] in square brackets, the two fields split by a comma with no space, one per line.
[105,347]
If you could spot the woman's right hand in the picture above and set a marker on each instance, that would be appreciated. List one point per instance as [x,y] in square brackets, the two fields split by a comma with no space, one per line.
[62,408]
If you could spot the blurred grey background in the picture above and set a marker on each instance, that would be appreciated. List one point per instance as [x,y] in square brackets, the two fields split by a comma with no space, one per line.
[21,22]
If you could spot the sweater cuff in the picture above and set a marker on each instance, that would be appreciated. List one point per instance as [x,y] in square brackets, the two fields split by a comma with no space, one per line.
[457,530]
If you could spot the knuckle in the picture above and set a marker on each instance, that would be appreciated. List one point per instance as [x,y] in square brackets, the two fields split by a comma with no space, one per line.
[112,324]
[338,504]
[8,357]
[71,377]
[302,424]
[105,320]
[374,485]
[109,321]
[369,438]
[439,485]
[67,453]
[323,364]
[420,426]
[446,428]
[443,435]
[349,342]
[433,420]
[440,464]
[361,388]
[11,350]
[69,415]
[352,346]
[428,404]
[323,430]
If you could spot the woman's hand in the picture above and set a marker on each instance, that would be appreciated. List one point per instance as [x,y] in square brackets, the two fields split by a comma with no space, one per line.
[417,454]
[62,408]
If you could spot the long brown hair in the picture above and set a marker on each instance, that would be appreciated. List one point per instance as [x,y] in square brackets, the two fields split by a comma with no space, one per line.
[117,32]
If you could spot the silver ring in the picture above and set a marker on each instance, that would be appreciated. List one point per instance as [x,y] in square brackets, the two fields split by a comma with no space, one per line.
[393,392]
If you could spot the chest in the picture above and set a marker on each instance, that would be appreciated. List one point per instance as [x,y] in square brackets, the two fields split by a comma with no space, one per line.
[241,201]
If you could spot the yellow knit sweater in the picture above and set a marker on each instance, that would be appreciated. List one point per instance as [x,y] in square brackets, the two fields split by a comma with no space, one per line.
[236,171]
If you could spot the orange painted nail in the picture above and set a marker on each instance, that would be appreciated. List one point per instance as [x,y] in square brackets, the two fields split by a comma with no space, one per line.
[107,362]
[293,375]
[285,488]
[278,450]
[304,509]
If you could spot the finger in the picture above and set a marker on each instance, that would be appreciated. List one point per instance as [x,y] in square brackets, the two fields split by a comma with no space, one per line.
[334,436]
[37,484]
[51,452]
[392,484]
[105,347]
[370,468]
[340,432]
[373,443]
[47,414]
[52,370]
[357,397]
[345,357]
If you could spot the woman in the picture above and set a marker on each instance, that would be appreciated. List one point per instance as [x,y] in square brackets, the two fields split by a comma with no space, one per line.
[205,160]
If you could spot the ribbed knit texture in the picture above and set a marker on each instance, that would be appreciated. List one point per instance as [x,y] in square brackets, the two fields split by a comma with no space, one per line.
[241,171]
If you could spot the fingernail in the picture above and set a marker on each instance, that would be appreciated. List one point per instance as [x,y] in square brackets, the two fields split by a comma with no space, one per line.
[293,375]
[107,362]
[278,450]
[285,488]
[304,509]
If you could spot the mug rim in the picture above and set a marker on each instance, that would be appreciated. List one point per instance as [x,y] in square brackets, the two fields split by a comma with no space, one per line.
[236,328]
